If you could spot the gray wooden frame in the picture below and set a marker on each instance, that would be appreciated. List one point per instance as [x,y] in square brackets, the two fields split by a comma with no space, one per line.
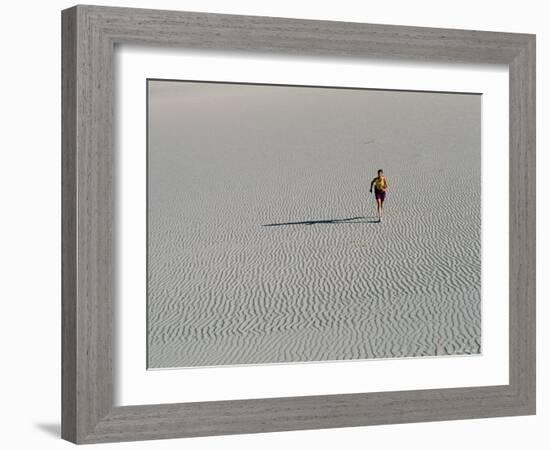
[89,36]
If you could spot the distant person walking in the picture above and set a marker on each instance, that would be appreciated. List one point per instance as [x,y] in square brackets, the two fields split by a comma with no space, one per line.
[380,187]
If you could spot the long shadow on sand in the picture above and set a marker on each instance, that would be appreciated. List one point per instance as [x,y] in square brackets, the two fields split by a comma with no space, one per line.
[349,220]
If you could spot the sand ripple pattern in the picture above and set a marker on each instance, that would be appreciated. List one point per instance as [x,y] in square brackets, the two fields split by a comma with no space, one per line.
[264,249]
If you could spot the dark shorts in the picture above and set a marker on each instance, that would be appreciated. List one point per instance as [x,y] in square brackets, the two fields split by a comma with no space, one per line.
[379,195]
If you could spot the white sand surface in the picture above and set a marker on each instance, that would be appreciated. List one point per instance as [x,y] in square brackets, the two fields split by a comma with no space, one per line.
[262,240]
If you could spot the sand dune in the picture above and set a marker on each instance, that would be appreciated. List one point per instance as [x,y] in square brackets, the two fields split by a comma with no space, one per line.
[262,244]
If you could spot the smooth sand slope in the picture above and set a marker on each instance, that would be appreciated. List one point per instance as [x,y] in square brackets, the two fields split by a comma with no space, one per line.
[262,246]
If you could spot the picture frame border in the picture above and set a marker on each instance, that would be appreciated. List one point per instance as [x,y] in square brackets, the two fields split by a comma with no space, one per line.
[89,37]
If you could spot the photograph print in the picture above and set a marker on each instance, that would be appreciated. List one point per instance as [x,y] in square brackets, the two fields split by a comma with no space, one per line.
[294,224]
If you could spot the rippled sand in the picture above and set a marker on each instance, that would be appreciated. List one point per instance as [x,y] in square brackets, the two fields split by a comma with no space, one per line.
[263,245]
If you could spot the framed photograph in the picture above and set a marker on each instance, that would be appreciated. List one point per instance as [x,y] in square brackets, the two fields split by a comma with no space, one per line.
[278,224]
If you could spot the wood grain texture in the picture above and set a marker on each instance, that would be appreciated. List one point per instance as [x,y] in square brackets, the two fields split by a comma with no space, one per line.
[68,226]
[522,243]
[89,36]
[87,304]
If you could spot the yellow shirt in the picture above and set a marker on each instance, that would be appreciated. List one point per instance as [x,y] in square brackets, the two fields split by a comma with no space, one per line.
[380,183]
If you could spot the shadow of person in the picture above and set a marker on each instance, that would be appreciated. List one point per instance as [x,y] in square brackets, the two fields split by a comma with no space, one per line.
[349,220]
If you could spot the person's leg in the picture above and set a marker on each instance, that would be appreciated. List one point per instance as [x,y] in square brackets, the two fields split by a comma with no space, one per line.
[378,207]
